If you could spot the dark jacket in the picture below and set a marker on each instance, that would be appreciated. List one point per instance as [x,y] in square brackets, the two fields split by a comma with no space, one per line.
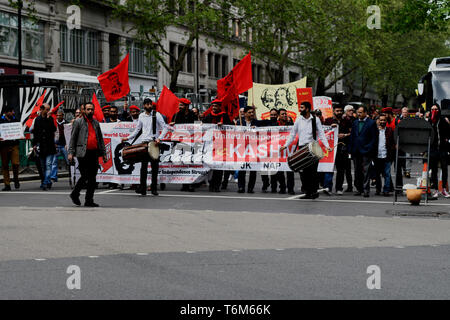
[182,117]
[441,135]
[8,143]
[366,142]
[78,141]
[345,126]
[255,123]
[44,135]
[390,144]
[223,117]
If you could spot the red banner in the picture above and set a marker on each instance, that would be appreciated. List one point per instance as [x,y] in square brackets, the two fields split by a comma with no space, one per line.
[114,82]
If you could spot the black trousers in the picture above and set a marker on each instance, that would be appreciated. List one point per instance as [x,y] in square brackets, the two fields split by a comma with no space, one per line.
[310,179]
[251,180]
[144,173]
[279,178]
[343,169]
[88,166]
[216,180]
[226,177]
[362,172]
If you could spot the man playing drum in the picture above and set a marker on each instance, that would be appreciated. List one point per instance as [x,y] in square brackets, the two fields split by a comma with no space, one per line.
[308,128]
[150,122]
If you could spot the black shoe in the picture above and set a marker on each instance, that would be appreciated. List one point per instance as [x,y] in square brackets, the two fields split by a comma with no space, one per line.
[43,188]
[224,187]
[162,186]
[191,189]
[155,193]
[49,186]
[16,184]
[386,194]
[366,195]
[357,193]
[282,192]
[7,188]
[315,195]
[308,196]
[75,199]
[349,190]
[141,191]
[217,189]
[211,189]
[54,180]
[291,192]
[250,191]
[377,193]
[241,191]
[184,188]
[91,204]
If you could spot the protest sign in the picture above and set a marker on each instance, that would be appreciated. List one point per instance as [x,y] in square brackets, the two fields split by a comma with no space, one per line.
[265,97]
[325,105]
[11,131]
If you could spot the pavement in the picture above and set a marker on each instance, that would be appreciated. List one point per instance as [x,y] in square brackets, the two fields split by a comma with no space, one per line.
[225,245]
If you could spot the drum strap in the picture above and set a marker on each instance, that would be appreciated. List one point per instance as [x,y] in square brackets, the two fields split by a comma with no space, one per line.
[137,136]
[314,128]
[154,122]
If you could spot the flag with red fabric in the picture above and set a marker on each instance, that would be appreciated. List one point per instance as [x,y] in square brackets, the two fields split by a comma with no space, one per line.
[35,110]
[239,80]
[98,113]
[167,103]
[114,82]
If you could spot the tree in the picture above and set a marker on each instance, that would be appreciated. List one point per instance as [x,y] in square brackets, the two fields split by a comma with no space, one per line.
[149,21]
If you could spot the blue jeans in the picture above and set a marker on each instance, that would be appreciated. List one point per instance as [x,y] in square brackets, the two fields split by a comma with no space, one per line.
[383,168]
[46,165]
[328,180]
[60,150]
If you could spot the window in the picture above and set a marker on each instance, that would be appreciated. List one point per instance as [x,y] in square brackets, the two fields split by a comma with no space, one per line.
[79,46]
[224,66]
[210,64]
[139,61]
[217,65]
[188,63]
[32,37]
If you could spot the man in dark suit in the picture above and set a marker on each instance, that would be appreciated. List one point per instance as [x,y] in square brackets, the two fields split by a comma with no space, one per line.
[87,145]
[363,148]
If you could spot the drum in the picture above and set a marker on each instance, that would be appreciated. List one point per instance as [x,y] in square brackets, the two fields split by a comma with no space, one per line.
[153,150]
[305,156]
[135,153]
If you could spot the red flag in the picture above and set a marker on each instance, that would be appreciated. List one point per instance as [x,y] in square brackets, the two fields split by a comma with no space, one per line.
[55,111]
[114,82]
[35,110]
[98,114]
[239,80]
[167,103]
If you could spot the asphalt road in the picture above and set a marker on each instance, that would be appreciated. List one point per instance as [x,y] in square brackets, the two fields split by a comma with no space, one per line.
[220,246]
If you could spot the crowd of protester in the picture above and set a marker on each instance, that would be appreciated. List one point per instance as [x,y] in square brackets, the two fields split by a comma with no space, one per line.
[365,136]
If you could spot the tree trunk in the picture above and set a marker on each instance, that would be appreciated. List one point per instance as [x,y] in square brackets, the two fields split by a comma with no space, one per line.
[320,89]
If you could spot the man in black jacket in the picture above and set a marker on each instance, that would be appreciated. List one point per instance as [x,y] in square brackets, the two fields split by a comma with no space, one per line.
[9,153]
[87,145]
[44,141]
[439,150]
[219,117]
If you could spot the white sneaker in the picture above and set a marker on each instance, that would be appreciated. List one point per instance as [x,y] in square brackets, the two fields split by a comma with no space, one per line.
[435,194]
[445,193]
[340,192]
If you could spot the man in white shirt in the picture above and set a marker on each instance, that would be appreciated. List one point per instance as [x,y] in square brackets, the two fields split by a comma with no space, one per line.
[304,129]
[385,155]
[151,123]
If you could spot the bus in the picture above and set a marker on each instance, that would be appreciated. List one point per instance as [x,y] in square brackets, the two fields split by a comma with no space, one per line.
[434,87]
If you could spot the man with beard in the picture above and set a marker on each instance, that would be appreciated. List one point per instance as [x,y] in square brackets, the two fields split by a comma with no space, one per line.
[308,128]
[363,148]
[87,145]
[184,115]
[113,115]
[343,164]
[219,117]
[150,122]
[105,111]
[439,150]
[385,155]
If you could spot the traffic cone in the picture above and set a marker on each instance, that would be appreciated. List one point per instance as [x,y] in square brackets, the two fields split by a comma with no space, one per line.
[423,181]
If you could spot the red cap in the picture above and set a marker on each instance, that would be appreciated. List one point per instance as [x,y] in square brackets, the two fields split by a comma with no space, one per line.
[216,101]
[387,110]
[154,103]
[135,108]
[106,107]
[185,101]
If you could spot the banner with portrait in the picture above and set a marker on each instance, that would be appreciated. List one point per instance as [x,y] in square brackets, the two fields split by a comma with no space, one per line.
[265,97]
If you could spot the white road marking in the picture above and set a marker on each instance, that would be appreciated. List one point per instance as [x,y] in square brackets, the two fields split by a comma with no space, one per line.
[236,250]
[190,251]
[279,249]
[142,254]
[40,259]
[399,247]
[111,193]
[93,257]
